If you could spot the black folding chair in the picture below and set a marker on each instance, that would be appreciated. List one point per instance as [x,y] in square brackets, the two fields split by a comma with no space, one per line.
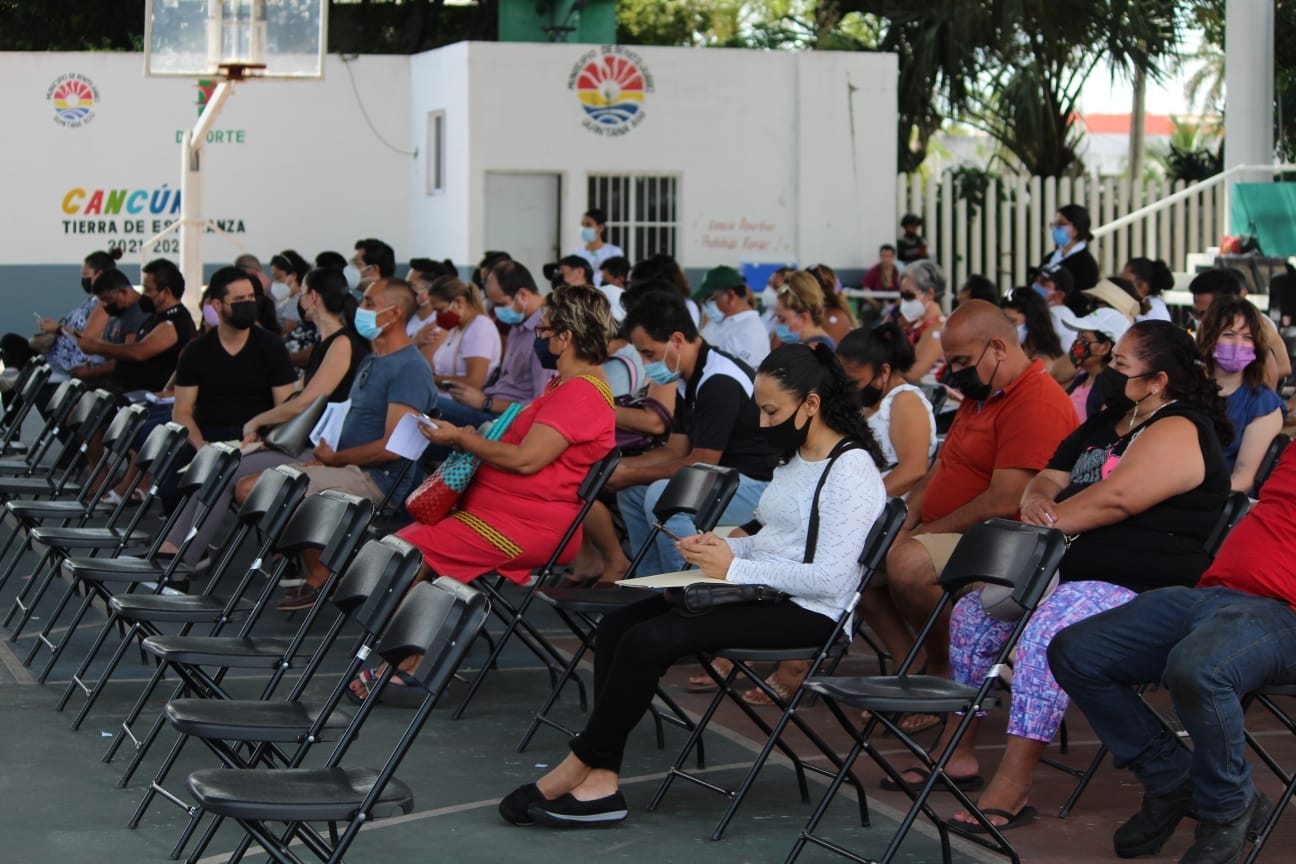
[699,491]
[332,522]
[1235,507]
[159,456]
[51,437]
[367,594]
[823,658]
[63,503]
[204,479]
[1269,461]
[1000,552]
[26,390]
[437,623]
[264,513]
[1267,698]
[512,614]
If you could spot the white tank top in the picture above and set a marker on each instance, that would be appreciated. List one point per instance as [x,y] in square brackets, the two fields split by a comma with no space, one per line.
[880,425]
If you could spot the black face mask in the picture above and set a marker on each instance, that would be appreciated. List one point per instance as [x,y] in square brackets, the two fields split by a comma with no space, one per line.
[967,382]
[548,359]
[87,284]
[243,315]
[870,395]
[1111,384]
[147,305]
[112,308]
[786,437]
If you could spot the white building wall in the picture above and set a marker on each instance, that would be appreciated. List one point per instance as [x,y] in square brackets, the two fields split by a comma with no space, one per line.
[439,82]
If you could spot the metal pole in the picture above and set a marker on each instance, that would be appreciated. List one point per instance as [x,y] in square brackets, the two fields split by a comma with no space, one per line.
[192,222]
[1249,83]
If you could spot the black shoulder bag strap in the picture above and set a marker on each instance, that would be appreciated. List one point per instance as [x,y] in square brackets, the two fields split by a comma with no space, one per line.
[812,531]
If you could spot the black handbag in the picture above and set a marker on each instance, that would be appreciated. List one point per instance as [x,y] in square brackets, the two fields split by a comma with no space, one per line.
[702,597]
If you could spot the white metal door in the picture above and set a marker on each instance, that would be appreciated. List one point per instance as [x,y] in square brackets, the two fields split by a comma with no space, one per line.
[522,217]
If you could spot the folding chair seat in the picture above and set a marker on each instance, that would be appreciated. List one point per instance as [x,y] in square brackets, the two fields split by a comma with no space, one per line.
[31,381]
[367,594]
[204,479]
[512,613]
[437,623]
[1235,507]
[823,657]
[158,456]
[699,491]
[331,522]
[1022,557]
[63,502]
[265,512]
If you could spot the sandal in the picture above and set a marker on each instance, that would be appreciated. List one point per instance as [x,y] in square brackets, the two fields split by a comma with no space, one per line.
[704,683]
[785,691]
[931,721]
[403,691]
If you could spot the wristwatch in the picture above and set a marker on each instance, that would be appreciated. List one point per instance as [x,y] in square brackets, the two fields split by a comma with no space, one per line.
[487,405]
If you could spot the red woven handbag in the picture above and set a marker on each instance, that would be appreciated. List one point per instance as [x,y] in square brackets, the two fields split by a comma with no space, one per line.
[436,496]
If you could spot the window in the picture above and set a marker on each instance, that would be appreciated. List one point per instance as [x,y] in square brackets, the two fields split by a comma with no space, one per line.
[436,153]
[642,212]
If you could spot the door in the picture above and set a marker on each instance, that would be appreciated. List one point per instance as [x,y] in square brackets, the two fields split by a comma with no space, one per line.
[522,217]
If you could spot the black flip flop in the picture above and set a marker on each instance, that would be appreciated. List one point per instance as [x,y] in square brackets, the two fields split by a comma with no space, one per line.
[1024,816]
[966,784]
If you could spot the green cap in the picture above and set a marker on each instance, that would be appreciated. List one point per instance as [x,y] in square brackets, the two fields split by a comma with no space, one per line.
[717,279]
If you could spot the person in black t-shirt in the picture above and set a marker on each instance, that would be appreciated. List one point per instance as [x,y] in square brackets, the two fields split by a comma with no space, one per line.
[149,361]
[715,422]
[232,373]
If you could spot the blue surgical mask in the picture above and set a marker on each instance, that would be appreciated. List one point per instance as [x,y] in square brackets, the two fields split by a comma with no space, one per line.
[659,373]
[712,311]
[785,334]
[588,235]
[506,314]
[366,323]
[352,274]
[1061,235]
[1042,291]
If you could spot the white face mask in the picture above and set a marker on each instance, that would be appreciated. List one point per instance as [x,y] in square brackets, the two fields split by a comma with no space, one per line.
[280,291]
[912,310]
[1021,334]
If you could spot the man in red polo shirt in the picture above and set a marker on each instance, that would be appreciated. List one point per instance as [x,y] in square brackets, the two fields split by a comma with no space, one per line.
[1211,645]
[1012,418]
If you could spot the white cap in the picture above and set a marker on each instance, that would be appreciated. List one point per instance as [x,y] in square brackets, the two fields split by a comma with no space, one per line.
[1104,320]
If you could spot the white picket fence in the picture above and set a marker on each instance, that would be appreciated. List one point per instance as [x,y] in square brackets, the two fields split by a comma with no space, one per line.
[1010,233]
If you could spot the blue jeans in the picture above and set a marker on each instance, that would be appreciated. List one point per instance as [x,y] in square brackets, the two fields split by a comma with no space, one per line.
[636,505]
[1210,647]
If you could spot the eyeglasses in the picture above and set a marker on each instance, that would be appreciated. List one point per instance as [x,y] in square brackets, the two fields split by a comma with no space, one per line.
[546,331]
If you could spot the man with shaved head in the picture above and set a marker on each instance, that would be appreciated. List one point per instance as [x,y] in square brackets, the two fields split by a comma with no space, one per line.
[1011,420]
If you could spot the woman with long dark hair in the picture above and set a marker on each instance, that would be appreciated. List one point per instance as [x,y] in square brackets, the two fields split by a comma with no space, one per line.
[809,412]
[1027,309]
[1137,488]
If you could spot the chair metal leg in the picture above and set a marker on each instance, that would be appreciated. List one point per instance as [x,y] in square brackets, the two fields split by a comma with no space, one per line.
[30,595]
[46,636]
[1083,783]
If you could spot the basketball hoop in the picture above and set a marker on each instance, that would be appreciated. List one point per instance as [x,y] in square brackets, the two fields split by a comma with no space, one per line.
[240,71]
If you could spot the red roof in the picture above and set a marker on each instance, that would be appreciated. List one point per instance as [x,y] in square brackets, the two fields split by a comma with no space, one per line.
[1119,124]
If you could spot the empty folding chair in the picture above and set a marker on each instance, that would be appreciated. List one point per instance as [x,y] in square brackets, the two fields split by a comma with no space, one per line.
[1022,557]
[265,513]
[68,504]
[331,522]
[51,438]
[699,491]
[823,658]
[25,391]
[367,595]
[158,455]
[436,623]
[512,614]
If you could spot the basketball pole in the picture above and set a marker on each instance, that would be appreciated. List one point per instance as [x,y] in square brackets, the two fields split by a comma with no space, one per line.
[192,222]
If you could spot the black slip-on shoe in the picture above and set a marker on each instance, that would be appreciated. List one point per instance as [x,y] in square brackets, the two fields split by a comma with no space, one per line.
[1148,829]
[513,806]
[568,812]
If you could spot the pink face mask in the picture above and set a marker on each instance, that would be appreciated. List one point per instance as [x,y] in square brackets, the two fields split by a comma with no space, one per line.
[210,316]
[1234,357]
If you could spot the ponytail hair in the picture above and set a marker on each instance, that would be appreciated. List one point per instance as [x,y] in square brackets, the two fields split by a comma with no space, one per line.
[104,260]
[805,369]
[331,287]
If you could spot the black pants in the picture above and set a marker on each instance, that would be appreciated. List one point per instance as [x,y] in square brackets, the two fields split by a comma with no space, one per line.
[634,646]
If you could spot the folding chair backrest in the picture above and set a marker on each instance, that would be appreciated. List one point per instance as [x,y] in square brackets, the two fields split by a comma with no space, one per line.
[1235,507]
[882,533]
[210,472]
[376,580]
[57,410]
[437,621]
[1270,461]
[124,427]
[273,499]
[330,522]
[598,475]
[90,412]
[160,447]
[1003,552]
[27,389]
[700,490]
[24,400]
[20,386]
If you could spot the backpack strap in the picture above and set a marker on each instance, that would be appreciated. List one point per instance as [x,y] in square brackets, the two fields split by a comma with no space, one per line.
[812,531]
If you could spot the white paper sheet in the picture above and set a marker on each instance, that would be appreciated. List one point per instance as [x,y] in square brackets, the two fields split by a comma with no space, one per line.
[406,441]
[329,427]
[678,579]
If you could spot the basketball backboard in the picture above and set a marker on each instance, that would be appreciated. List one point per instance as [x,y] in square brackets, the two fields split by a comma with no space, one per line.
[261,38]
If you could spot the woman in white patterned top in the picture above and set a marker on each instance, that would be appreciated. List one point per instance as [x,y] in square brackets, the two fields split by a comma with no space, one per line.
[808,412]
